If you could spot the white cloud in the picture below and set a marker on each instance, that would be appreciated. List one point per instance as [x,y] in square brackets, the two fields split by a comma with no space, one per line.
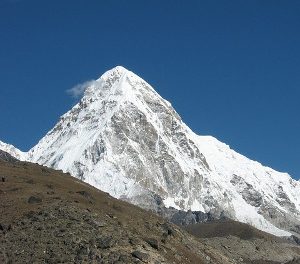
[79,89]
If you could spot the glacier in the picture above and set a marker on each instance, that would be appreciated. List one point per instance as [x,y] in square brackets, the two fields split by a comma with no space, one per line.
[125,139]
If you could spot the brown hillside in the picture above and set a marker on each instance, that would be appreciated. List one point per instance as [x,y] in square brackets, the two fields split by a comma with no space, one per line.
[50,217]
[228,227]
[246,244]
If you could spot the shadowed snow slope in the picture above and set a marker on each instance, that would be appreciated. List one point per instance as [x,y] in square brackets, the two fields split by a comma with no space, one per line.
[123,138]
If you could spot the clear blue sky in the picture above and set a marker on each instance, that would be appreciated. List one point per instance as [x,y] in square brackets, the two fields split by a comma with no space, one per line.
[230,68]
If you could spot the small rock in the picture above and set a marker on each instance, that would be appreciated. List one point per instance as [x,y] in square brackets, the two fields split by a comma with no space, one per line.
[14,189]
[153,242]
[110,215]
[93,254]
[124,258]
[105,242]
[178,257]
[134,241]
[34,199]
[169,229]
[82,250]
[86,195]
[96,223]
[5,228]
[114,257]
[140,255]
[226,247]
[30,181]
[46,170]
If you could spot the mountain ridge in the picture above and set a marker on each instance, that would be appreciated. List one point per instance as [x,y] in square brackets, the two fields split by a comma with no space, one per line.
[12,150]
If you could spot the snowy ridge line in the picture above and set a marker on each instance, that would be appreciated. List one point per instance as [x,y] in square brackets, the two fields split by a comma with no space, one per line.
[13,151]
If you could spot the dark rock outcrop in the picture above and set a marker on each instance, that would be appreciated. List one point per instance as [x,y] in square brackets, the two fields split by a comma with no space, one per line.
[7,157]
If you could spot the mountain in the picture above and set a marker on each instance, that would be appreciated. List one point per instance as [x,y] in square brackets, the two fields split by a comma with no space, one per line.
[125,139]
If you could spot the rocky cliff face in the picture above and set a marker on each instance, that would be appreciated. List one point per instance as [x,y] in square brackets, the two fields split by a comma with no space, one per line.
[123,138]
[4,156]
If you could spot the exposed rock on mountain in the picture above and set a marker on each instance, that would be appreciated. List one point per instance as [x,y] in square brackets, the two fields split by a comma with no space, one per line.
[7,157]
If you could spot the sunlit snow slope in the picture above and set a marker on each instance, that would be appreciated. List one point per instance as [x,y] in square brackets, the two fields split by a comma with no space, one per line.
[13,151]
[123,138]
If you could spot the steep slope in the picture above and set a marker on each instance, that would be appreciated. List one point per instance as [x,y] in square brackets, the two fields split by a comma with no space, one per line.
[4,156]
[241,241]
[123,138]
[13,151]
[50,217]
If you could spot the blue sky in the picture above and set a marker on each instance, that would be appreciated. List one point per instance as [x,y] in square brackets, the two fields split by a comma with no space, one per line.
[230,68]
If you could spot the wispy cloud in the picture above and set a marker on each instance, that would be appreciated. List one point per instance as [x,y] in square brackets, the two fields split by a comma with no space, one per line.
[79,89]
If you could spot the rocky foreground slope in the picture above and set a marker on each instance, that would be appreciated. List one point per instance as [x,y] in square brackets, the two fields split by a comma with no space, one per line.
[50,217]
[245,243]
[47,216]
[124,139]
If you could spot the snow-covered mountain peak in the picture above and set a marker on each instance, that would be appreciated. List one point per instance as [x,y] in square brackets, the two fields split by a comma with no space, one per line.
[125,139]
[115,72]
[115,84]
